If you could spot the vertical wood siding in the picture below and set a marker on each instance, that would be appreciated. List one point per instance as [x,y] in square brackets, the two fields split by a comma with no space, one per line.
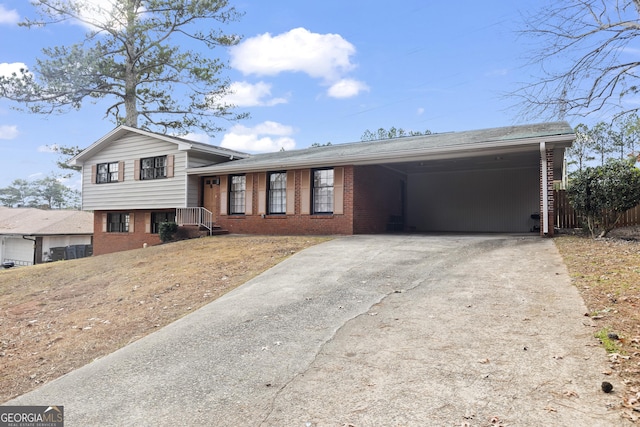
[305,192]
[224,192]
[291,192]
[262,193]
[338,191]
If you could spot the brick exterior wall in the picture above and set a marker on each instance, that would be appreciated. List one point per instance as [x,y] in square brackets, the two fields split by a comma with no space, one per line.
[372,194]
[104,242]
[296,223]
[550,200]
[378,196]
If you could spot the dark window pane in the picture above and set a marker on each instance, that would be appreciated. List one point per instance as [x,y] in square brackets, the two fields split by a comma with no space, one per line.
[153,167]
[107,172]
[158,218]
[118,222]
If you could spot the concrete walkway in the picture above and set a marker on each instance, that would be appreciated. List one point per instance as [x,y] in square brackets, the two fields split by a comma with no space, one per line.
[391,330]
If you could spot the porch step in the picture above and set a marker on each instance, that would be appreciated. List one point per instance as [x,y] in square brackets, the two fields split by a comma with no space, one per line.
[216,230]
[193,231]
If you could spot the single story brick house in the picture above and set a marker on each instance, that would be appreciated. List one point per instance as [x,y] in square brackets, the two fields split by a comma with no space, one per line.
[31,236]
[490,180]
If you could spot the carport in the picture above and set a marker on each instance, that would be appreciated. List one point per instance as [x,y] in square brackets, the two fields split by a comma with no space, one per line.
[499,192]
[485,181]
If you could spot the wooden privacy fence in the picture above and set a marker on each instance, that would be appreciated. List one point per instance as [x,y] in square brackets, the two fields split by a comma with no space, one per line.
[566,217]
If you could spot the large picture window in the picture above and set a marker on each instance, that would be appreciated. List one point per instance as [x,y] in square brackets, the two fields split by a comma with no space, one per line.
[118,223]
[237,190]
[323,191]
[153,167]
[277,201]
[107,172]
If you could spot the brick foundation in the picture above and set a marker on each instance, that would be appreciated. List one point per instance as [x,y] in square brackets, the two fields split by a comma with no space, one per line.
[104,242]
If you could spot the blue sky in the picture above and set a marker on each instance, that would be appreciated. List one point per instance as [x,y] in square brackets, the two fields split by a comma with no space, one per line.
[311,72]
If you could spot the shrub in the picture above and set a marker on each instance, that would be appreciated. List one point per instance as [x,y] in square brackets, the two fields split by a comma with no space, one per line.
[167,231]
[602,194]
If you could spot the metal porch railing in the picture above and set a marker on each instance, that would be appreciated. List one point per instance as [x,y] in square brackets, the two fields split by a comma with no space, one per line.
[195,216]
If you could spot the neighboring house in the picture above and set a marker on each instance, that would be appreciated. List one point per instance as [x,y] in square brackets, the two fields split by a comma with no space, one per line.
[31,236]
[491,180]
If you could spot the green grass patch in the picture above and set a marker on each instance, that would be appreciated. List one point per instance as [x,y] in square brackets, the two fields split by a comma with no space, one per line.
[611,345]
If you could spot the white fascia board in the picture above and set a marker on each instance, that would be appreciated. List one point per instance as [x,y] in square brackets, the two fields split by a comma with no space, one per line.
[183,145]
[78,160]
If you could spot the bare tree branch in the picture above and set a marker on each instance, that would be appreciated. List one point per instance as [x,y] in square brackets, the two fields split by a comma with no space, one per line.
[583,58]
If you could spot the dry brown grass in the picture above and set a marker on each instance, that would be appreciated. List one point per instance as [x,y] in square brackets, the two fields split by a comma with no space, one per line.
[60,316]
[607,274]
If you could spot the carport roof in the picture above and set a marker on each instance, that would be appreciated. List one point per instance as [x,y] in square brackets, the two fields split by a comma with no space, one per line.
[39,222]
[494,141]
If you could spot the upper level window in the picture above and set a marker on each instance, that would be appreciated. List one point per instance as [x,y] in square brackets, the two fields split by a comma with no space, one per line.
[237,190]
[323,191]
[107,172]
[118,223]
[277,192]
[153,167]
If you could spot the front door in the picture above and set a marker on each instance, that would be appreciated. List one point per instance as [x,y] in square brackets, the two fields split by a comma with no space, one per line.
[211,195]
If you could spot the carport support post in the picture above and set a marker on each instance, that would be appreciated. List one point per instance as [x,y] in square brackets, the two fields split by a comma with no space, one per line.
[546,190]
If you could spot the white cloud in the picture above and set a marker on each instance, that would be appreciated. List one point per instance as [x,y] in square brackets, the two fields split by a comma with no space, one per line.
[244,94]
[265,137]
[346,88]
[8,16]
[497,72]
[36,175]
[6,69]
[325,56]
[97,13]
[420,111]
[198,137]
[8,131]
[47,148]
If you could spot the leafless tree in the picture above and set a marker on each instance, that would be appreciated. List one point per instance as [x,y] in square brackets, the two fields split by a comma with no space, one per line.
[587,56]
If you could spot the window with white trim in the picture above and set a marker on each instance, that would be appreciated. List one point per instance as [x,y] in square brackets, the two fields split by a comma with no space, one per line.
[237,189]
[322,192]
[277,193]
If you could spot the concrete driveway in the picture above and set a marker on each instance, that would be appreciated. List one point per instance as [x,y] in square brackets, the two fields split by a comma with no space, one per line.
[389,330]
